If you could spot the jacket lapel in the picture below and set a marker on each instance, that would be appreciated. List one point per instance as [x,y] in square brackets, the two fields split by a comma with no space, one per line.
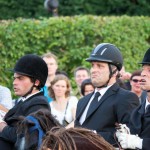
[112,90]
[136,118]
[12,111]
[142,108]
[83,105]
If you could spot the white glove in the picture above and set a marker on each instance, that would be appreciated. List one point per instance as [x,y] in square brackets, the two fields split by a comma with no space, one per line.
[123,128]
[129,141]
[94,131]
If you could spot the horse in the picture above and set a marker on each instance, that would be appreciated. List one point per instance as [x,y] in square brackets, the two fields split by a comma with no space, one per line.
[74,139]
[31,129]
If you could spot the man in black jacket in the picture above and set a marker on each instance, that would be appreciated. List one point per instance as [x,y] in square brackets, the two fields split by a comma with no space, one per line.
[114,103]
[140,118]
[30,74]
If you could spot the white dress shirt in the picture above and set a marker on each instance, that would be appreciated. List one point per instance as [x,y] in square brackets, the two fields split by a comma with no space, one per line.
[147,103]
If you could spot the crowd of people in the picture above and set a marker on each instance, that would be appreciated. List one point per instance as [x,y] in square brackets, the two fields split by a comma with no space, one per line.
[106,97]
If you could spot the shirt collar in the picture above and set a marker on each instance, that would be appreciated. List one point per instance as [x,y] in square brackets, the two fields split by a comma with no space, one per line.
[24,98]
[147,103]
[103,90]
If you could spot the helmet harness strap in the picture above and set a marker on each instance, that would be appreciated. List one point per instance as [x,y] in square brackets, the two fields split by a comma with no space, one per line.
[31,89]
[110,75]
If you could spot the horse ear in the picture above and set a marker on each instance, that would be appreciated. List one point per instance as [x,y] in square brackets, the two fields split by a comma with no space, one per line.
[17,119]
[23,122]
[29,123]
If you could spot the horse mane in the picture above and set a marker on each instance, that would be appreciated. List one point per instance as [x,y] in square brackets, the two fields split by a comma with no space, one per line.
[45,118]
[74,139]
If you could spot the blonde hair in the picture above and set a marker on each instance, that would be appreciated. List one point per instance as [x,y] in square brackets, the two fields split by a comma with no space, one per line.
[56,79]
[50,55]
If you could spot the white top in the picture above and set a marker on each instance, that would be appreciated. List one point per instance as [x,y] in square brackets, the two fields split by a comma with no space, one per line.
[5,97]
[72,103]
[147,103]
[28,96]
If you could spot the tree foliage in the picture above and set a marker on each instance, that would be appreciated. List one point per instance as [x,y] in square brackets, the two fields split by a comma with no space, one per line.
[72,39]
[10,9]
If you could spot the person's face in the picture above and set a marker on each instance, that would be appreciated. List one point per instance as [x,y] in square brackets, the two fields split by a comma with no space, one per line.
[80,76]
[51,64]
[88,89]
[135,84]
[145,77]
[99,73]
[60,88]
[21,84]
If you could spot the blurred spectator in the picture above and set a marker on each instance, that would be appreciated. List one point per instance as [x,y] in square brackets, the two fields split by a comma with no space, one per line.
[5,98]
[135,83]
[52,6]
[61,72]
[87,87]
[125,77]
[80,74]
[121,83]
[63,106]
[52,64]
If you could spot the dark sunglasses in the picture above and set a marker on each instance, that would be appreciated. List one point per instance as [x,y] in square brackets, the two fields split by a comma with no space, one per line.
[136,80]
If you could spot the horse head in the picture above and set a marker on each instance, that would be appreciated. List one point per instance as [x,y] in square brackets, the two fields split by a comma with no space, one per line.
[31,129]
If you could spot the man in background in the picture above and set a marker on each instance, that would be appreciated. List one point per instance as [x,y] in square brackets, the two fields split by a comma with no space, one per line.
[52,64]
[80,74]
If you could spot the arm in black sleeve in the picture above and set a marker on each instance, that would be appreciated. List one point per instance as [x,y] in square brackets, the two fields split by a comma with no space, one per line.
[9,134]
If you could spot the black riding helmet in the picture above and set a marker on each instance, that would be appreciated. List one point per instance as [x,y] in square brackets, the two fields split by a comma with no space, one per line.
[146,61]
[146,58]
[33,66]
[108,53]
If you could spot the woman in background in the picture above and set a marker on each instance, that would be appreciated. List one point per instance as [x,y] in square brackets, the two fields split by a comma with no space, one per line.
[63,106]
[87,87]
[135,83]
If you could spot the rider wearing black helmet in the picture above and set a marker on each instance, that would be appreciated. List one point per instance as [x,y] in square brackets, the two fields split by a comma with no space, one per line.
[114,103]
[140,118]
[35,68]
[30,74]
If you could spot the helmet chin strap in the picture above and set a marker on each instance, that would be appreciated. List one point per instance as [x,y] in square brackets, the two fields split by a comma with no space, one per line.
[110,75]
[30,91]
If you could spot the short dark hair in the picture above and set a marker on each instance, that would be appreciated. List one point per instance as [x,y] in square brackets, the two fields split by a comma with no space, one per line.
[62,72]
[32,79]
[135,73]
[84,83]
[81,68]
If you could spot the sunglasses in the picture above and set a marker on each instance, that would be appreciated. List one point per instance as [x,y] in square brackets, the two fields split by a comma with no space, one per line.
[136,80]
